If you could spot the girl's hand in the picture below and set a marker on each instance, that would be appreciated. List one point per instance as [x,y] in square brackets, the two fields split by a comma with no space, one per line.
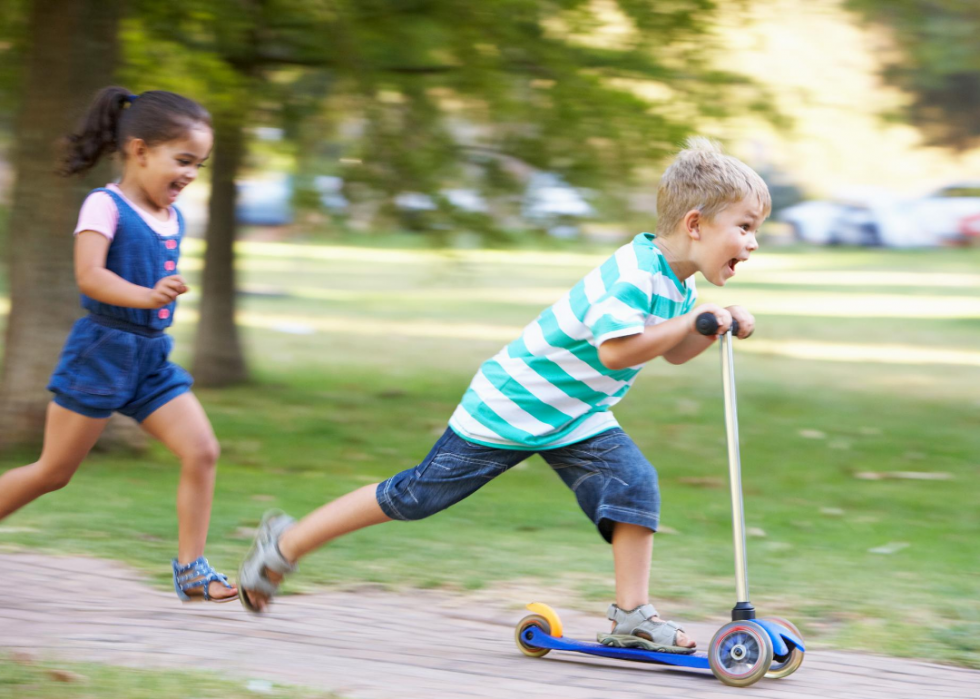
[167,290]
[746,321]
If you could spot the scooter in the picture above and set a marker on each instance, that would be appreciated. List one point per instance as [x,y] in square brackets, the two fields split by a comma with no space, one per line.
[741,652]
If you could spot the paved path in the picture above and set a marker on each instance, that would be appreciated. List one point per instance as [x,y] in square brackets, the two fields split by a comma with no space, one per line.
[436,646]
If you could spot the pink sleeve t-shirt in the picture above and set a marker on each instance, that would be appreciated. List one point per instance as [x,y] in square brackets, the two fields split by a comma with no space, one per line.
[99,214]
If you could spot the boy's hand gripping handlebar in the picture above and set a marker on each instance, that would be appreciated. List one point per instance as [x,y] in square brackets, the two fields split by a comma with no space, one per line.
[707,324]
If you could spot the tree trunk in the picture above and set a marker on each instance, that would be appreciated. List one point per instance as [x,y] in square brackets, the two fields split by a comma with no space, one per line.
[218,357]
[73,49]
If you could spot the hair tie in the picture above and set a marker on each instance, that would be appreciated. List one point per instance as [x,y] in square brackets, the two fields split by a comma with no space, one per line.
[132,98]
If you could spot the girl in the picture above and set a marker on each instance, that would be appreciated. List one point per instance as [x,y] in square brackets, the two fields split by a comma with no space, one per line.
[127,244]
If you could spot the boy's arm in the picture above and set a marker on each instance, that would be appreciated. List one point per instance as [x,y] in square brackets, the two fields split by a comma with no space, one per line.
[693,345]
[676,340]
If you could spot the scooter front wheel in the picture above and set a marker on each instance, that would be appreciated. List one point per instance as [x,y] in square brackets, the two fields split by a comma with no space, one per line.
[522,628]
[740,653]
[779,670]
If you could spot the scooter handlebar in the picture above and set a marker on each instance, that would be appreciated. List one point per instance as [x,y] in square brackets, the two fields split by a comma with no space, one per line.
[707,324]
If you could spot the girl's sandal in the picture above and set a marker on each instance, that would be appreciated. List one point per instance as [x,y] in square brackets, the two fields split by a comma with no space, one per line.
[264,556]
[198,574]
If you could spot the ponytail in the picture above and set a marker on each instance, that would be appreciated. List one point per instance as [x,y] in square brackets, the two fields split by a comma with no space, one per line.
[97,133]
[116,117]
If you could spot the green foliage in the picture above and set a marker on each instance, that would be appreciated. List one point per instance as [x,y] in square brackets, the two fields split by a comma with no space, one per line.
[935,57]
[13,34]
[426,95]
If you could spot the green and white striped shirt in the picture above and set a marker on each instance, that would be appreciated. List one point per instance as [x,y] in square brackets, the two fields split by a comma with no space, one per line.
[548,388]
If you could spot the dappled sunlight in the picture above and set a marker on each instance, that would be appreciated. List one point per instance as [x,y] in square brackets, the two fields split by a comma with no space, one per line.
[791,303]
[865,353]
[850,305]
[530,296]
[868,278]
[793,349]
[395,256]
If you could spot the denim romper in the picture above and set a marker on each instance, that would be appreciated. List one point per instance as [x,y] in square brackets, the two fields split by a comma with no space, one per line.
[116,358]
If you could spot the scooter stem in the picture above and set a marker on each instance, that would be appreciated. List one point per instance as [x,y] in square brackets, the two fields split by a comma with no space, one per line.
[743,608]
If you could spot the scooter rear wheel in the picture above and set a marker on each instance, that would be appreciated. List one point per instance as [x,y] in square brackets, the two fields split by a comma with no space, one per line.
[779,670]
[740,653]
[522,627]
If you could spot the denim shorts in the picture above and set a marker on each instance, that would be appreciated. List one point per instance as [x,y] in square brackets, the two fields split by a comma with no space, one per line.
[611,479]
[110,365]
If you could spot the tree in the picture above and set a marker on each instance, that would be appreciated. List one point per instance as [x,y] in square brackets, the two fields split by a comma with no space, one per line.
[70,52]
[527,77]
[935,59]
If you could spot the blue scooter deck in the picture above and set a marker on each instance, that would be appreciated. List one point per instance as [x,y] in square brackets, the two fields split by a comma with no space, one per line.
[783,642]
[537,638]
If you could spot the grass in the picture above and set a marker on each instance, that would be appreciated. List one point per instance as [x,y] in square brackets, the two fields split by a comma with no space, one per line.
[360,356]
[21,679]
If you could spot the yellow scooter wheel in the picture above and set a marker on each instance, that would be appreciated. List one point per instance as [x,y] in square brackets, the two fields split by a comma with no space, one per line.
[528,622]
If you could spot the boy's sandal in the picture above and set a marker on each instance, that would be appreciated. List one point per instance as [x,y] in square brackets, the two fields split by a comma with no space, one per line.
[636,629]
[264,556]
[198,574]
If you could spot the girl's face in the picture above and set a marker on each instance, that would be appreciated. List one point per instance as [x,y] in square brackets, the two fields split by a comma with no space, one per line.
[165,169]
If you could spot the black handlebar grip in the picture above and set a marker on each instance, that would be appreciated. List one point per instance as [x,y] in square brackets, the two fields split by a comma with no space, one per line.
[707,324]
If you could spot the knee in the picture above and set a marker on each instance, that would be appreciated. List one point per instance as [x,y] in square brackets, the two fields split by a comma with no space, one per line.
[52,477]
[398,500]
[204,455]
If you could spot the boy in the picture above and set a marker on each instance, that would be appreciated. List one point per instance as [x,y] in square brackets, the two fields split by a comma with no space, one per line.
[550,391]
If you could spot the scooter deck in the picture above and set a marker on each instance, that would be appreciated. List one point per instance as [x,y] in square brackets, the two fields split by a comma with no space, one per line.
[783,642]
[537,638]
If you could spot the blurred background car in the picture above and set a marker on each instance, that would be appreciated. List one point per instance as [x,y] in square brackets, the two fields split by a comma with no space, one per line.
[554,205]
[265,201]
[269,200]
[876,217]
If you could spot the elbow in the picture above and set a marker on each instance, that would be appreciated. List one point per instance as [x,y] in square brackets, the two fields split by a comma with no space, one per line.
[611,359]
[84,282]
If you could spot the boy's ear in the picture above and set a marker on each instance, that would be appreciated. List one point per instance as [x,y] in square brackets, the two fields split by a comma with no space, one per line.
[692,223]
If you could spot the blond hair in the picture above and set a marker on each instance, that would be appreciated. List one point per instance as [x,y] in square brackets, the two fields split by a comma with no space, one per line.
[702,177]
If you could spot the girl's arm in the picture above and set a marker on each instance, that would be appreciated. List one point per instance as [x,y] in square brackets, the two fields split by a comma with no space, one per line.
[97,282]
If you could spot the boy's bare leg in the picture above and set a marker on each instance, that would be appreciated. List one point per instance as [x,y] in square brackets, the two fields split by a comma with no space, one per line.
[68,438]
[632,553]
[346,514]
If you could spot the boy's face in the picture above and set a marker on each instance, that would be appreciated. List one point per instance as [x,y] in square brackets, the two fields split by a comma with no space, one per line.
[727,239]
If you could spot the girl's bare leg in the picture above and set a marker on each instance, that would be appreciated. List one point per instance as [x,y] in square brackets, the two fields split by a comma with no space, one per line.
[183,426]
[68,438]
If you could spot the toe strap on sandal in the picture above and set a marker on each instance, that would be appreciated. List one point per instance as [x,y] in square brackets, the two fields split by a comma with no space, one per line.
[659,631]
[197,574]
[639,622]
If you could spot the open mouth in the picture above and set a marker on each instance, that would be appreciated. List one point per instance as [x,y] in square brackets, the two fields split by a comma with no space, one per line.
[731,264]
[174,189]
